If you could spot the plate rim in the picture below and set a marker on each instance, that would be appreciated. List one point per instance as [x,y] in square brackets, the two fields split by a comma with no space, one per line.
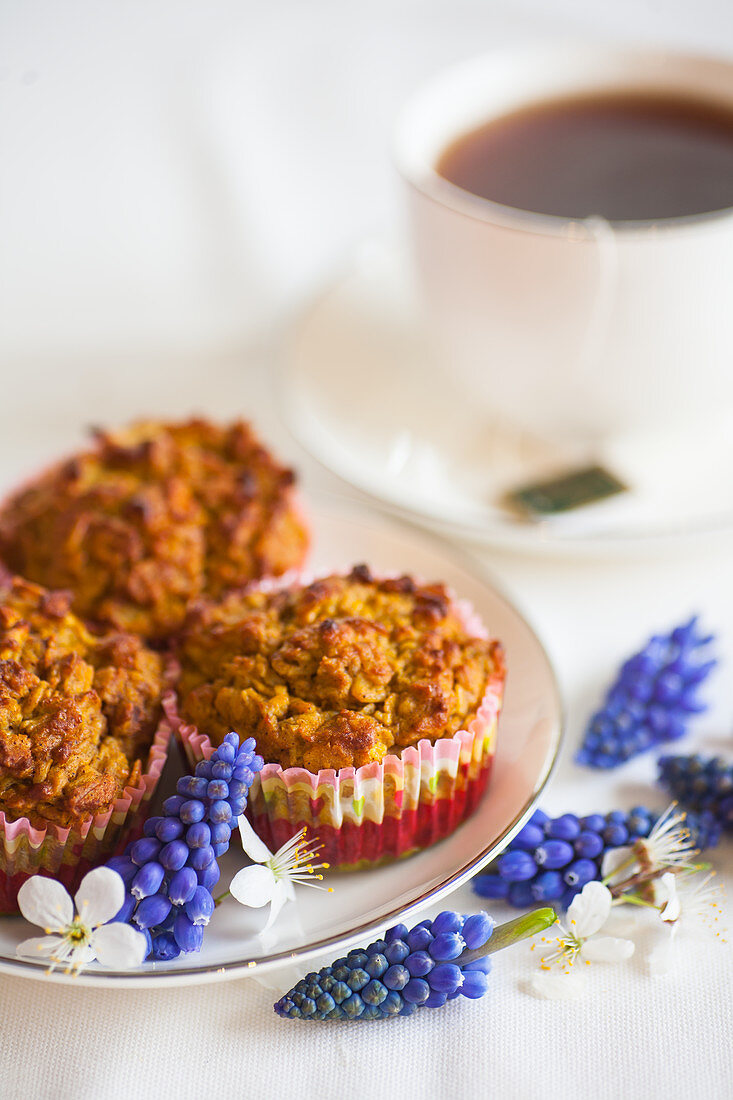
[250,967]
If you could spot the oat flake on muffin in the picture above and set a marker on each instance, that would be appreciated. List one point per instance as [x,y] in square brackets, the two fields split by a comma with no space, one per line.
[153,516]
[77,712]
[334,674]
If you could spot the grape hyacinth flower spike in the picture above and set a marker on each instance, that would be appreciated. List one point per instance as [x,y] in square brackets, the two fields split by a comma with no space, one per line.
[652,699]
[170,871]
[703,784]
[434,962]
[552,858]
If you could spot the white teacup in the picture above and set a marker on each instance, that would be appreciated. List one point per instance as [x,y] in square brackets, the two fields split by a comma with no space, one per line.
[575,330]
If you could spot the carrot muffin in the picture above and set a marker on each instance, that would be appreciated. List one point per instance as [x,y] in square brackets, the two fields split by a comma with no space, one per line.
[77,713]
[152,516]
[385,692]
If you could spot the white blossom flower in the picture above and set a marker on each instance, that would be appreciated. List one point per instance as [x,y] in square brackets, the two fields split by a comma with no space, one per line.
[579,942]
[689,903]
[77,938]
[272,877]
[668,845]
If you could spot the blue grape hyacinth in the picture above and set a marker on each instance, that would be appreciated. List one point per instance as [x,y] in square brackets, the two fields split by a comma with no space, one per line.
[551,859]
[425,967]
[703,784]
[170,871]
[652,699]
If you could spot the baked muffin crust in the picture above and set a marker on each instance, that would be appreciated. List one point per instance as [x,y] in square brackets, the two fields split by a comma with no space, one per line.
[152,516]
[335,674]
[77,712]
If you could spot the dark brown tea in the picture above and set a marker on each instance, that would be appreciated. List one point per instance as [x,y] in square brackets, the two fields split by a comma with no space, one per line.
[627,156]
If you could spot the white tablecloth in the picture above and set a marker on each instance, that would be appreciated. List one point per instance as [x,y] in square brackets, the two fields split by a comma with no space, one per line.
[177,177]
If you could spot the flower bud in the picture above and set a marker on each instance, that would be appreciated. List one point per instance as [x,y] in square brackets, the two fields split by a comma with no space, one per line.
[188,936]
[475,983]
[165,947]
[191,811]
[198,835]
[192,786]
[445,978]
[168,828]
[477,929]
[145,849]
[416,991]
[447,946]
[419,963]
[209,876]
[174,855]
[148,880]
[182,886]
[553,854]
[200,907]
[200,858]
[447,921]
[580,872]
[152,911]
[517,866]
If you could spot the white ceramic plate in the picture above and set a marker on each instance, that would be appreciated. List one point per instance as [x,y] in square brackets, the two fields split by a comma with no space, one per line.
[364,903]
[367,395]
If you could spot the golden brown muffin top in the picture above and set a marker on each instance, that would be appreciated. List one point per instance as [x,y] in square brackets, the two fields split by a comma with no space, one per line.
[153,516]
[76,711]
[334,674]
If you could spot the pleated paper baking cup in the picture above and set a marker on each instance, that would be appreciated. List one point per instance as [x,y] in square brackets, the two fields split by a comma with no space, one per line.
[380,811]
[68,853]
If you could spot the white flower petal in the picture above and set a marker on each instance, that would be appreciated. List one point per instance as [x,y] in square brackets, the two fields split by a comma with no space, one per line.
[590,910]
[80,955]
[622,923]
[558,987]
[45,902]
[118,946]
[253,886]
[279,897]
[606,949]
[616,858]
[40,947]
[660,957]
[667,898]
[99,897]
[255,848]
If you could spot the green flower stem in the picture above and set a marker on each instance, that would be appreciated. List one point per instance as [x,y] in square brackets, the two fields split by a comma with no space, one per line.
[632,899]
[621,867]
[220,899]
[504,935]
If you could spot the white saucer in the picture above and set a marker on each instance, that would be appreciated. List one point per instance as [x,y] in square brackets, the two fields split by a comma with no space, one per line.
[365,394]
[322,925]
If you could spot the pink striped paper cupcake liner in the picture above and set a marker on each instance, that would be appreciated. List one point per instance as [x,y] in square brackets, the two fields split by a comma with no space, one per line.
[68,853]
[381,811]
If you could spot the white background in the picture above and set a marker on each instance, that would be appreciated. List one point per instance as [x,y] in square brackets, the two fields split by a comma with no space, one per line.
[177,179]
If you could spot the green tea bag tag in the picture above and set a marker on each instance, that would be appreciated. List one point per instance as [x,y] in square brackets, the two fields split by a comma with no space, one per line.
[565,493]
